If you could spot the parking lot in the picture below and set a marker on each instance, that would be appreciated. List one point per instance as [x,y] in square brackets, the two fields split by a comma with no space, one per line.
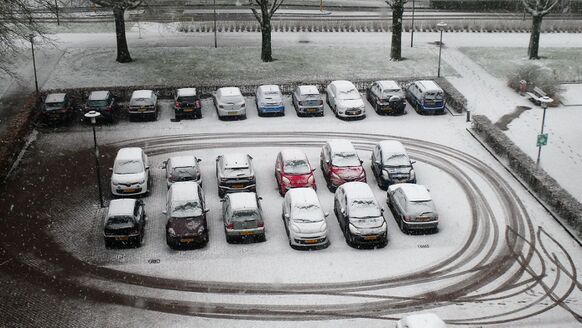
[482,212]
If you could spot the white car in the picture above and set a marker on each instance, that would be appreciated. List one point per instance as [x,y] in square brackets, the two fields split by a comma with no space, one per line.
[422,320]
[412,207]
[304,219]
[182,168]
[229,102]
[269,100]
[345,100]
[130,173]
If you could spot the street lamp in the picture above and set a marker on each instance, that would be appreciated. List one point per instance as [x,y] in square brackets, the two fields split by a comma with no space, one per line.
[412,28]
[441,26]
[214,9]
[92,116]
[542,138]
[31,36]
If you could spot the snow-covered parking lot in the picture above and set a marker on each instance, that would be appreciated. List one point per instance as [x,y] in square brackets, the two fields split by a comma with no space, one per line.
[498,257]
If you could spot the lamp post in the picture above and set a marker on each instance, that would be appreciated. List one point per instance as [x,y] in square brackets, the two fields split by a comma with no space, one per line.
[214,9]
[542,138]
[441,26]
[31,36]
[412,28]
[92,116]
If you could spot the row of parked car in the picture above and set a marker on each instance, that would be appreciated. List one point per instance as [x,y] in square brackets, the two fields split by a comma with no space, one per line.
[343,98]
[358,212]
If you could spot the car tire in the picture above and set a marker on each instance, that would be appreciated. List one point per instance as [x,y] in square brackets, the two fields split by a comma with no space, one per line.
[229,239]
[243,116]
[169,242]
[221,193]
[402,225]
[108,243]
[348,236]
[262,238]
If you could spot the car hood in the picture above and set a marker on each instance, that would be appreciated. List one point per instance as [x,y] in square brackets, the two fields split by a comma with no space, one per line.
[237,174]
[299,180]
[398,169]
[309,227]
[128,178]
[351,103]
[349,172]
[367,223]
[186,226]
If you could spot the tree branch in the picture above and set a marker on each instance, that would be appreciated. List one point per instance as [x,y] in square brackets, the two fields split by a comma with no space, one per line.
[257,16]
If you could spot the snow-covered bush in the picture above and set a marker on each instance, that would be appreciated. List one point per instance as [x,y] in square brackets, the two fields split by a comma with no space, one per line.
[535,76]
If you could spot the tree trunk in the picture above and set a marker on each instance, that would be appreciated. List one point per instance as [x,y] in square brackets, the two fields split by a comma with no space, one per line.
[122,50]
[396,46]
[534,40]
[266,54]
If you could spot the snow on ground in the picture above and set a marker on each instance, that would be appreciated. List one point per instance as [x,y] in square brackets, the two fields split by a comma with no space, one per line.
[572,95]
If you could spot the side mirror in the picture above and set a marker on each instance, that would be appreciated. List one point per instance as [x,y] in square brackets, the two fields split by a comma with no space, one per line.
[342,210]
[164,212]
[313,170]
[361,162]
[164,164]
[412,162]
[260,198]
[286,215]
[111,169]
[326,214]
[198,160]
[222,200]
[147,167]
[251,157]
[206,210]
[382,209]
[278,169]
[218,158]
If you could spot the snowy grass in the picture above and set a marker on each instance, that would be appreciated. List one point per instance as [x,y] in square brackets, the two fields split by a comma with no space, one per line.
[209,66]
[565,63]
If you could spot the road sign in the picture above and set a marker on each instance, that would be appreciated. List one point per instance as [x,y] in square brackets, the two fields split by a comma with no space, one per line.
[542,139]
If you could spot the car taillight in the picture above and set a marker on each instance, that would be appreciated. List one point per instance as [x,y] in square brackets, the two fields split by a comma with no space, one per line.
[261,224]
[321,102]
[198,104]
[178,104]
[230,226]
[301,103]
[135,231]
[108,109]
[407,218]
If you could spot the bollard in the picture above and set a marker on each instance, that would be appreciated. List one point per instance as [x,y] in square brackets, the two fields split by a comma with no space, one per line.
[468,116]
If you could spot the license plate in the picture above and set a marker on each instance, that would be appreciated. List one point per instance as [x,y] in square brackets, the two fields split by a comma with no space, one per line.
[129,190]
[423,218]
[370,237]
[311,241]
[122,238]
[312,110]
[186,240]
[237,186]
[232,113]
[355,112]
[141,110]
[246,233]
[187,109]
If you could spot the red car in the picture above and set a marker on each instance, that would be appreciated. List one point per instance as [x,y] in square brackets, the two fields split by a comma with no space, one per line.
[340,163]
[292,170]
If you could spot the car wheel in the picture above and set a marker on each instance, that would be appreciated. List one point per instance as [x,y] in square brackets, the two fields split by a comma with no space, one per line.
[262,238]
[402,225]
[349,237]
[178,117]
[243,116]
[336,112]
[108,243]
[384,242]
[221,193]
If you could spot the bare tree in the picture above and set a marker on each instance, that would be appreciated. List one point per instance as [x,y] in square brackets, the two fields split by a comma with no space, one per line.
[267,8]
[119,7]
[537,9]
[397,12]
[17,25]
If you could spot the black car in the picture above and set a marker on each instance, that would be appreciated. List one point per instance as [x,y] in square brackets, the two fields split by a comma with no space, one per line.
[56,108]
[391,164]
[187,104]
[386,97]
[102,102]
[186,212]
[125,222]
[234,172]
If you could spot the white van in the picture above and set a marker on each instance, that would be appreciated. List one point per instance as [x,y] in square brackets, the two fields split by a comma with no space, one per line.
[131,172]
[143,103]
[426,97]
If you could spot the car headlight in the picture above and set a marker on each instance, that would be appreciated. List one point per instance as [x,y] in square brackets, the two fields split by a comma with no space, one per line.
[311,179]
[412,175]
[115,183]
[334,175]
[354,230]
[171,232]
[385,174]
[142,181]
[362,174]
[286,181]
[295,228]
[383,227]
[200,229]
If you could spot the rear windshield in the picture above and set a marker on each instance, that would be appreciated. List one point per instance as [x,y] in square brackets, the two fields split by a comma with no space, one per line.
[420,207]
[296,167]
[434,95]
[189,99]
[55,105]
[391,92]
[232,99]
[127,167]
[345,159]
[246,215]
[98,103]
[140,102]
[119,220]
[184,209]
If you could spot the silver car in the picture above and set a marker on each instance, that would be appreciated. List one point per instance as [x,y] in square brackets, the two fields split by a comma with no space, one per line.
[182,168]
[307,101]
[243,217]
[412,207]
[234,172]
[304,219]
[229,102]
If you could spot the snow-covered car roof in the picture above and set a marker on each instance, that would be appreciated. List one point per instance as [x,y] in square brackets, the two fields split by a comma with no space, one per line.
[142,94]
[98,95]
[388,85]
[293,154]
[341,146]
[429,85]
[184,190]
[235,160]
[129,153]
[186,92]
[391,147]
[55,98]
[306,196]
[243,201]
[121,207]
[357,190]
[343,85]
[183,161]
[229,91]
[413,192]
[269,88]
[424,320]
[308,90]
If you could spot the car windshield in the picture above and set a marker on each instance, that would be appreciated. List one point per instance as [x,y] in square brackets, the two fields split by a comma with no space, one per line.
[245,215]
[54,105]
[420,207]
[98,103]
[345,159]
[364,208]
[185,208]
[128,167]
[351,94]
[183,173]
[296,167]
[119,220]
[393,160]
[306,213]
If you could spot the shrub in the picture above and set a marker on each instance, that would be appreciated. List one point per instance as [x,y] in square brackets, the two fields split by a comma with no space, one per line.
[535,76]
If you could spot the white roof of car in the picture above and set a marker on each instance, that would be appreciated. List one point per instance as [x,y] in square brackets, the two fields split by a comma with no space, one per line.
[357,190]
[429,85]
[142,94]
[121,207]
[243,200]
[55,98]
[343,84]
[392,147]
[129,153]
[230,91]
[414,192]
[270,87]
[235,160]
[293,154]
[303,196]
[341,146]
[183,161]
[186,92]
[98,95]
[388,84]
[184,190]
[424,320]
[308,90]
